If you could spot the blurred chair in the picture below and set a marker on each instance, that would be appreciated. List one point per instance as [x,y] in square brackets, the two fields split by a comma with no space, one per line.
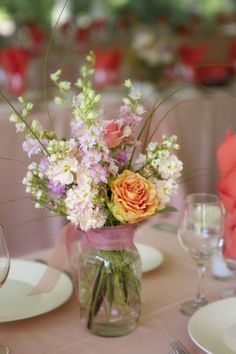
[214,74]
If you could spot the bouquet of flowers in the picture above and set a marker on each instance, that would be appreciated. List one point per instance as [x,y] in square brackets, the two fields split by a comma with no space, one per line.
[92,178]
[96,178]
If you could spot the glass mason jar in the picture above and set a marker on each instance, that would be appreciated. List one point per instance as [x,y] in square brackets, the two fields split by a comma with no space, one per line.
[109,281]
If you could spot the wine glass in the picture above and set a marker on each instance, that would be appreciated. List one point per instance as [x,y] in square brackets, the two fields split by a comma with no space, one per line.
[4,270]
[200,228]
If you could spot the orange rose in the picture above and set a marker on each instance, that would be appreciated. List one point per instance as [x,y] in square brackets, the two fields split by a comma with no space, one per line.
[133,197]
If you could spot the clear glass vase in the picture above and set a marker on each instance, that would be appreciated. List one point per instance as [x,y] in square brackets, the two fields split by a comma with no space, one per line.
[109,281]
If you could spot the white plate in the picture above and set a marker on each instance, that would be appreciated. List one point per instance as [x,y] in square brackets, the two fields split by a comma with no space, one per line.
[15,301]
[210,327]
[151,257]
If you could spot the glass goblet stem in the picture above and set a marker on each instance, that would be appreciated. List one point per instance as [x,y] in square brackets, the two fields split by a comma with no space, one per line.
[200,297]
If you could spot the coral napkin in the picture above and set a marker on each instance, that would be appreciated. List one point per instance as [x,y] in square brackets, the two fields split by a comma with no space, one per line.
[37,36]
[226,160]
[193,54]
[107,66]
[15,62]
[232,52]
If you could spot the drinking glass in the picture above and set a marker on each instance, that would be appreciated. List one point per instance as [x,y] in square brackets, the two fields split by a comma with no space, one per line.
[4,270]
[200,228]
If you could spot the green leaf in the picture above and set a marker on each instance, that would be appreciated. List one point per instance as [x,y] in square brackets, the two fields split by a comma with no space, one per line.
[167,209]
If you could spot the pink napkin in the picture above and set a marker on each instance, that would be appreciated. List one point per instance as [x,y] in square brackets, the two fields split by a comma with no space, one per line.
[226,159]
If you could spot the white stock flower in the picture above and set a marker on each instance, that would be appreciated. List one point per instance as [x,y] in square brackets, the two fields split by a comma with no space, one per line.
[139,162]
[92,218]
[63,171]
[164,190]
[83,180]
[71,147]
[140,110]
[151,146]
[170,167]
[81,210]
[20,127]
[113,168]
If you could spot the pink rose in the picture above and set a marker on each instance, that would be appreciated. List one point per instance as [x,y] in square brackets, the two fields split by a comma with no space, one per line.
[115,133]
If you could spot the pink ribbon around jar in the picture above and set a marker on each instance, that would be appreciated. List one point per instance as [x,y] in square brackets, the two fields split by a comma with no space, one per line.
[109,238]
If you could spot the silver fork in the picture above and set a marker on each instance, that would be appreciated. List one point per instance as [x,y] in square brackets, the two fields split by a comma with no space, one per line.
[178,347]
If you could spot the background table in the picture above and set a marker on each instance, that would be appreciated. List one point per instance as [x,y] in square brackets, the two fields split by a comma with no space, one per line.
[163,290]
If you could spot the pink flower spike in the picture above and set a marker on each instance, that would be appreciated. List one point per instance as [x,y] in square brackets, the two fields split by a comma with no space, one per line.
[87,141]
[57,189]
[124,110]
[43,165]
[98,173]
[134,119]
[91,158]
[31,146]
[122,156]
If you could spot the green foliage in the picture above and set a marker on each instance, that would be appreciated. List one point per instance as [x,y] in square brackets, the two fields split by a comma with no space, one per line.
[22,10]
[147,11]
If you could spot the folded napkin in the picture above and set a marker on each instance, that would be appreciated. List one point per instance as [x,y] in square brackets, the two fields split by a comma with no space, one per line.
[232,51]
[36,37]
[14,61]
[107,66]
[193,54]
[82,35]
[190,56]
[64,27]
[226,160]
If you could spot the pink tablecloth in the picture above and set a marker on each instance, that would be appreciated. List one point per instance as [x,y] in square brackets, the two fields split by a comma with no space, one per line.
[163,289]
